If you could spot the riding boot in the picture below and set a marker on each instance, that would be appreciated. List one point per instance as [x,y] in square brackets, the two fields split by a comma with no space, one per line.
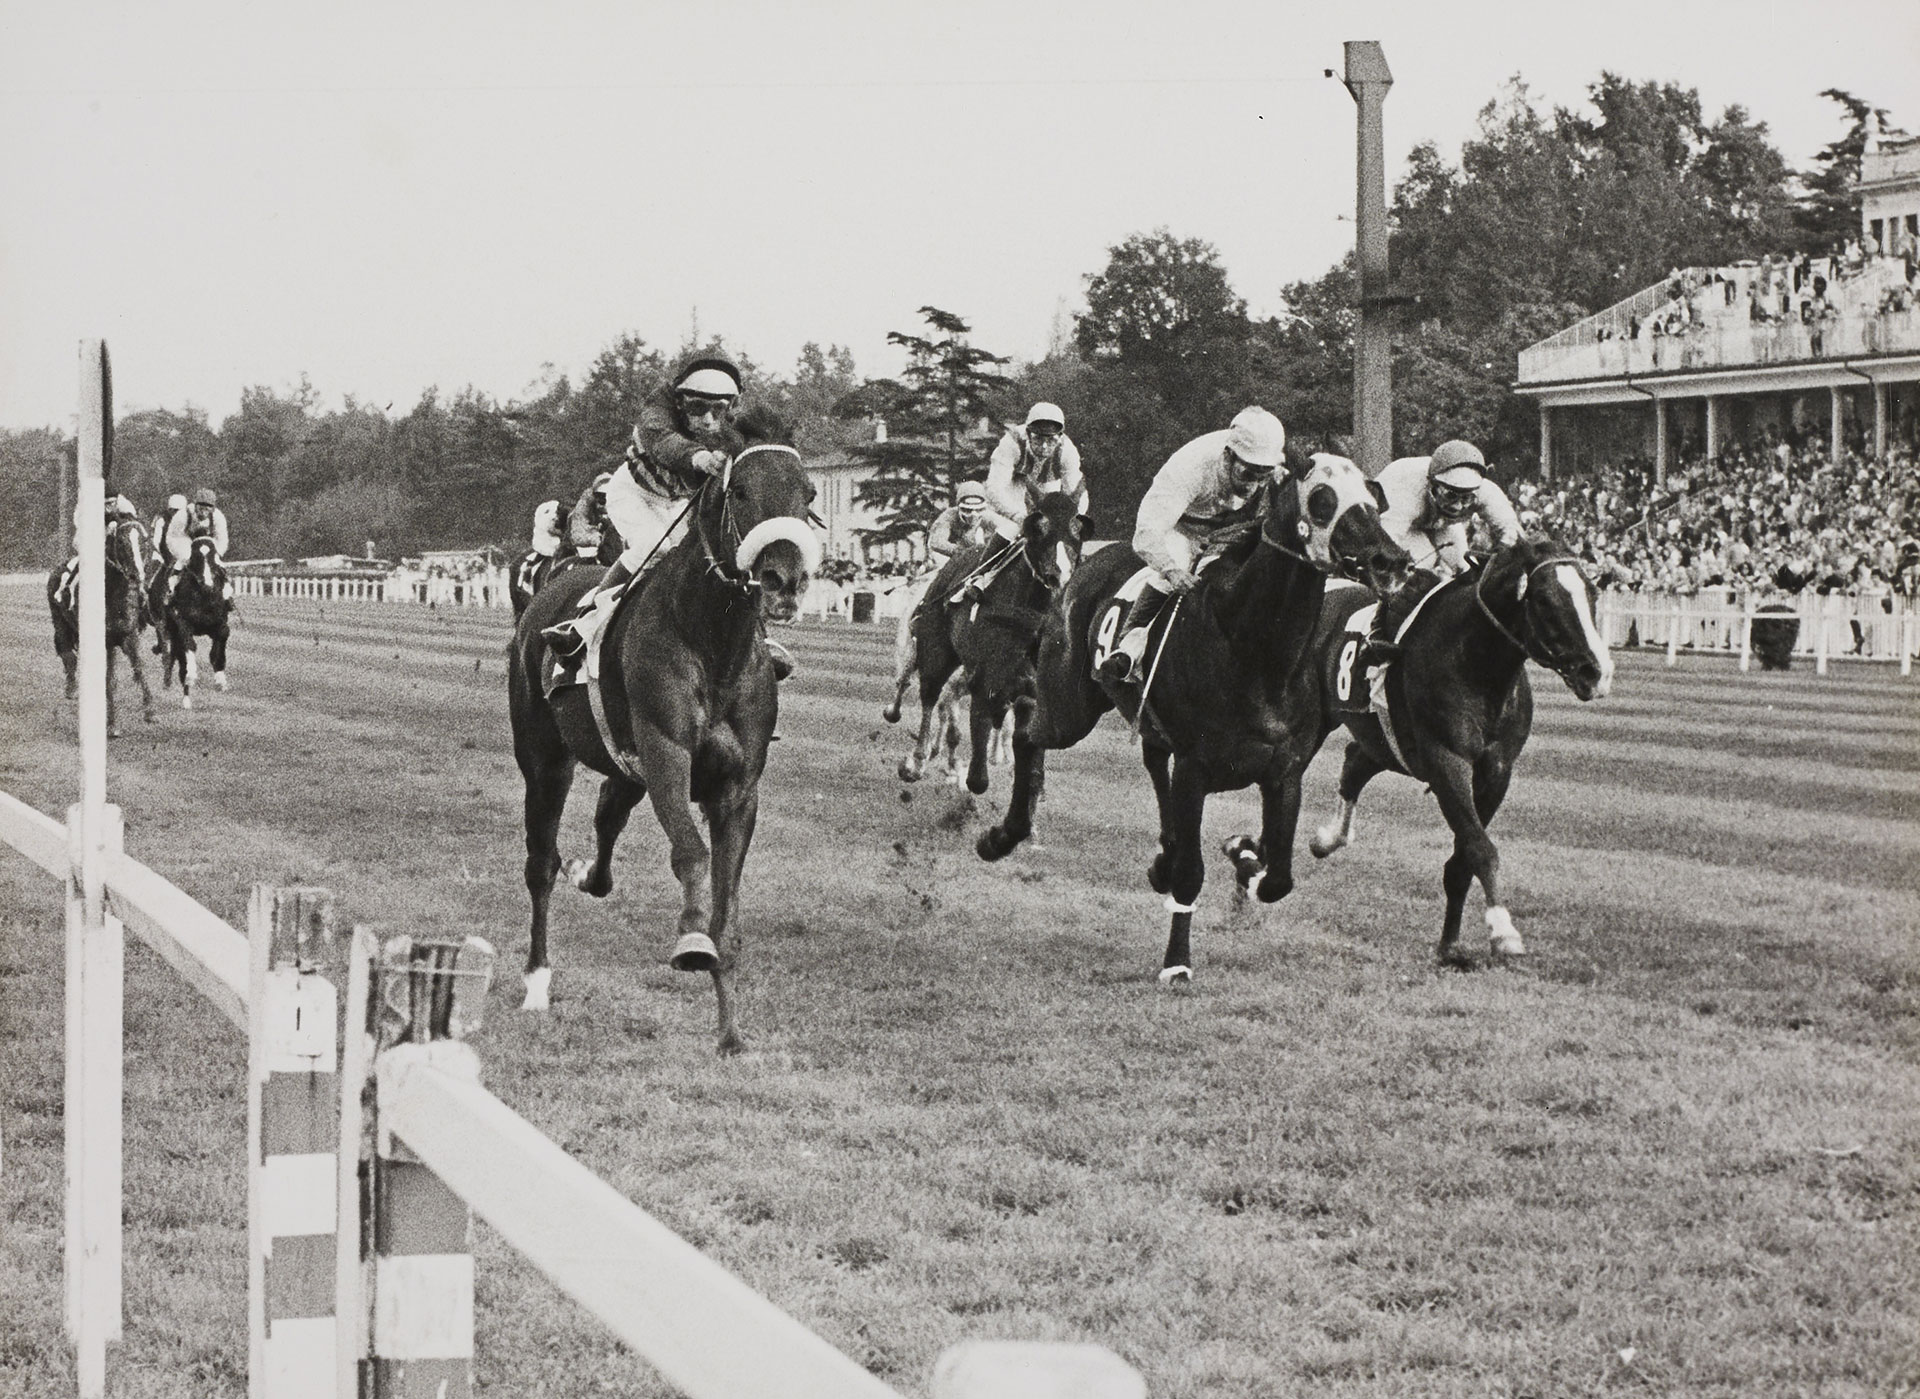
[782,659]
[1130,650]
[568,639]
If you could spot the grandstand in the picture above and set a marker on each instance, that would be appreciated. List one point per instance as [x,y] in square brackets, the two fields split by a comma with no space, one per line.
[1779,347]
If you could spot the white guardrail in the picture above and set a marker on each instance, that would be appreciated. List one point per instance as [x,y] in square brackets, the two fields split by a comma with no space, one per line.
[1825,627]
[325,1320]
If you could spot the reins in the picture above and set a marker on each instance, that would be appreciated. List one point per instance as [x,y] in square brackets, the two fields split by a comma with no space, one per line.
[746,582]
[1519,644]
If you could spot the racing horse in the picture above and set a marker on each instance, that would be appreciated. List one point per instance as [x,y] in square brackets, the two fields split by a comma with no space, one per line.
[992,641]
[200,606]
[1459,705]
[688,699]
[1230,699]
[126,616]
[530,575]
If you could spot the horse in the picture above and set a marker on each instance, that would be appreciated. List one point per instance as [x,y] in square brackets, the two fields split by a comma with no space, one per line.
[688,699]
[992,642]
[1460,705]
[1230,699]
[200,606]
[126,615]
[530,575]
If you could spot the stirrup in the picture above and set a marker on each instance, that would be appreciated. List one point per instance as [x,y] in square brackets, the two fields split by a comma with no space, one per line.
[782,661]
[1378,651]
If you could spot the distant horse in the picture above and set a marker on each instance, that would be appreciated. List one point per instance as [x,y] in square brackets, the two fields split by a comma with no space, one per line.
[530,575]
[1460,705]
[200,606]
[126,615]
[686,694]
[993,641]
[1231,698]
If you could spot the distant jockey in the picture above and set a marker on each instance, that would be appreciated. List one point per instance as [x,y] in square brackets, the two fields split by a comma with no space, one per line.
[547,537]
[176,505]
[1205,488]
[684,436]
[1429,502]
[965,523]
[1038,454]
[202,519]
[587,521]
[118,511]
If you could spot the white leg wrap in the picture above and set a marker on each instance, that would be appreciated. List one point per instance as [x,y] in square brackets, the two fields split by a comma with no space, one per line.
[1174,905]
[220,680]
[1502,936]
[1170,976]
[577,872]
[539,984]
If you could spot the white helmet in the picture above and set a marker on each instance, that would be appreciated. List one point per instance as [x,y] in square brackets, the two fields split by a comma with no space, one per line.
[176,501]
[1046,413]
[1257,438]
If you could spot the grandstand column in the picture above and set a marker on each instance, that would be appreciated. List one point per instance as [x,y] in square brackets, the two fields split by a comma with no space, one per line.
[1659,442]
[1837,407]
[1713,427]
[1546,443]
[1879,420]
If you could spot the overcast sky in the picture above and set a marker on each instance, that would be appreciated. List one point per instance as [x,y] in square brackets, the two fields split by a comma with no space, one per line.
[394,196]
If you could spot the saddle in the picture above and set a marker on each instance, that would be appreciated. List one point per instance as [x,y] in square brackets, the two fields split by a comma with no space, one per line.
[1350,696]
[586,672]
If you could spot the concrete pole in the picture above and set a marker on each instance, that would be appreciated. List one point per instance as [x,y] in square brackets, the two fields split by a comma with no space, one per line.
[1546,443]
[1837,408]
[1659,442]
[1713,428]
[1368,79]
[1879,420]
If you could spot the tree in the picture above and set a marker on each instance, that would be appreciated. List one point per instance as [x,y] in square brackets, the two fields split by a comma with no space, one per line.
[1829,215]
[933,413]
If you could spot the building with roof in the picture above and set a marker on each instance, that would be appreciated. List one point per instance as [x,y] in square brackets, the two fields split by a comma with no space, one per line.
[1716,354]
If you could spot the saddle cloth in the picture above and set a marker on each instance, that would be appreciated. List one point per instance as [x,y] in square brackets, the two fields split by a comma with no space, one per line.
[1346,681]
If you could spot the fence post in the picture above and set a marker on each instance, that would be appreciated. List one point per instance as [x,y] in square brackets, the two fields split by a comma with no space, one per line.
[1746,632]
[1819,634]
[96,978]
[429,995]
[1675,623]
[1906,636]
[293,1163]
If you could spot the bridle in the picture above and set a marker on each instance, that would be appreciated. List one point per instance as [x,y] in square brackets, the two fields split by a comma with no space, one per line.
[726,567]
[1559,666]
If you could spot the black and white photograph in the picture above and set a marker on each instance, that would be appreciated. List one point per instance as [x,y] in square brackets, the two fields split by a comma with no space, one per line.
[959,701]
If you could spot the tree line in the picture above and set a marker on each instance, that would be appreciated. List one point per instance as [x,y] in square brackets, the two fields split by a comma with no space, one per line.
[1548,215]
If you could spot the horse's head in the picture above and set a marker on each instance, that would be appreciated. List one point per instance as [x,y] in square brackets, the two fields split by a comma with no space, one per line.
[760,536]
[126,549]
[203,562]
[1336,522]
[1051,537]
[1557,626]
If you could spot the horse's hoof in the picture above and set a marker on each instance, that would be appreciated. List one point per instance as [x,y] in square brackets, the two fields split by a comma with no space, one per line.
[1270,888]
[579,874]
[1325,841]
[539,988]
[694,952]
[220,680]
[113,731]
[1176,976]
[891,714]
[186,701]
[731,1043]
[1502,937]
[977,786]
[994,843]
[908,772]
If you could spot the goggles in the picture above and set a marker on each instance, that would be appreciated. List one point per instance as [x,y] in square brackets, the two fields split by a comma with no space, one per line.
[697,407]
[1042,432]
[1454,500]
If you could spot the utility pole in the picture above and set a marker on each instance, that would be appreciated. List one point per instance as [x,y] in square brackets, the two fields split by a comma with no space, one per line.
[1367,79]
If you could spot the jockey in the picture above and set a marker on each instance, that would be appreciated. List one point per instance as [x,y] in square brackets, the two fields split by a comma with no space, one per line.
[176,505]
[969,520]
[587,521]
[202,519]
[547,537]
[119,510]
[1038,454]
[1206,487]
[683,437]
[1429,502]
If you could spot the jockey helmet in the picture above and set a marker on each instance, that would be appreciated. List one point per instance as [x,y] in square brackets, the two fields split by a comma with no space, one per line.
[1454,474]
[1046,415]
[176,501]
[203,496]
[1257,439]
[971,497]
[709,376]
[122,507]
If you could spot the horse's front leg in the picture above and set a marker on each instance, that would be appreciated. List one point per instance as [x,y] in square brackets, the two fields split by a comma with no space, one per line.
[1180,818]
[184,652]
[547,769]
[1158,761]
[618,797]
[983,717]
[903,667]
[1474,856]
[731,826]
[217,656]
[1357,769]
[131,649]
[669,768]
[1265,869]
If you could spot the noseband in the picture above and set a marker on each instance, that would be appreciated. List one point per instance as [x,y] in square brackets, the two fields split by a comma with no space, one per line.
[1542,657]
[728,568]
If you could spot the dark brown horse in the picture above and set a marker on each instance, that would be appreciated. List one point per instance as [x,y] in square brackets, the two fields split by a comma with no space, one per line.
[1231,698]
[995,639]
[688,697]
[200,606]
[126,616]
[1460,706]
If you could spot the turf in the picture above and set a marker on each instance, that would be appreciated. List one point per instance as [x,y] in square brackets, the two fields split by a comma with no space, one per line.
[1676,1151]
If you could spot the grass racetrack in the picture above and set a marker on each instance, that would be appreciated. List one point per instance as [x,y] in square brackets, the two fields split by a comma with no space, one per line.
[1676,1151]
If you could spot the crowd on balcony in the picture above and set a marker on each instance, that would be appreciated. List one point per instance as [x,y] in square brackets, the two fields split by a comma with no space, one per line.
[1768,514]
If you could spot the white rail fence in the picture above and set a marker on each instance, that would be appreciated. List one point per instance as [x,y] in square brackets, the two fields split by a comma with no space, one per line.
[325,1319]
[1823,627]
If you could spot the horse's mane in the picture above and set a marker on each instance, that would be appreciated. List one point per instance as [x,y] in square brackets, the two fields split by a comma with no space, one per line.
[761,425]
